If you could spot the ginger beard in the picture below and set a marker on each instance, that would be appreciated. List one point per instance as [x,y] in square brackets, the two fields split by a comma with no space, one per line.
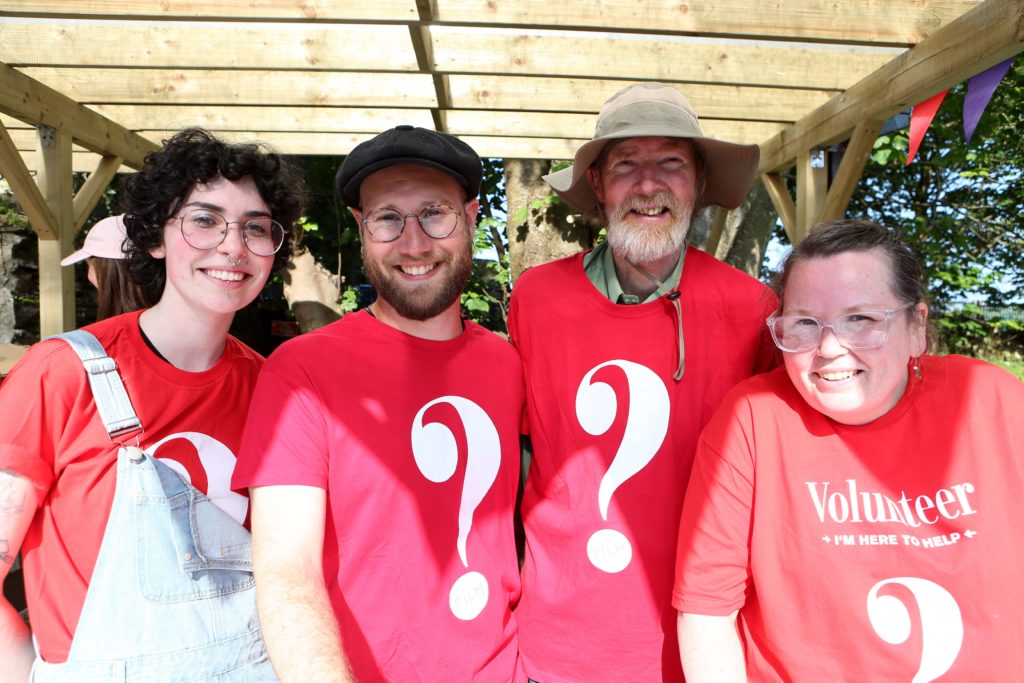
[421,300]
[649,243]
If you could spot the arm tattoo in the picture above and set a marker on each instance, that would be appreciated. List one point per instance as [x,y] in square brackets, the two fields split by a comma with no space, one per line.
[5,552]
[12,500]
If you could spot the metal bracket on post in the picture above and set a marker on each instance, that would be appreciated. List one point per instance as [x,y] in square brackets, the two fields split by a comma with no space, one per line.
[47,136]
[817,158]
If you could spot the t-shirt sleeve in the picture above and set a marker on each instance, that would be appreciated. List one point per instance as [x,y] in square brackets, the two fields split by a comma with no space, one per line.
[36,403]
[285,438]
[713,551]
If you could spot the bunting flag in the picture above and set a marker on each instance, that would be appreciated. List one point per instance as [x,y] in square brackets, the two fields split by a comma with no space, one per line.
[920,118]
[979,92]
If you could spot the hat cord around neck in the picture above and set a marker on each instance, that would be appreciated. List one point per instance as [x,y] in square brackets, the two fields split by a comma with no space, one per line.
[663,288]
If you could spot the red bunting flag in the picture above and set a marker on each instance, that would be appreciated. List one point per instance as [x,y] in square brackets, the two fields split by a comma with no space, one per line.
[920,118]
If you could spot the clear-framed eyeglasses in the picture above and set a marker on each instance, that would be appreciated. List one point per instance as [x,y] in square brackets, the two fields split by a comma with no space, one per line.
[860,330]
[206,229]
[386,225]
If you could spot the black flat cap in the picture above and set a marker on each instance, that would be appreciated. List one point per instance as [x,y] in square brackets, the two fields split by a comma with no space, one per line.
[409,145]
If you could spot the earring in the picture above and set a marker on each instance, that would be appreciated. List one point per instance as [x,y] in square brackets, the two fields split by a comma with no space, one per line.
[915,364]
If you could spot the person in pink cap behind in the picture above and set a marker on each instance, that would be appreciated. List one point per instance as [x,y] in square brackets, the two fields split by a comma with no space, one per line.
[103,252]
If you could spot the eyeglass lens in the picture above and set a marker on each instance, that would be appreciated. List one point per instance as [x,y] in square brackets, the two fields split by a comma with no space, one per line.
[385,225]
[861,330]
[204,229]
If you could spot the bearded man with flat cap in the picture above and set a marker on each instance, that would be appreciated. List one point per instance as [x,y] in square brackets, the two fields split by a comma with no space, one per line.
[627,349]
[382,451]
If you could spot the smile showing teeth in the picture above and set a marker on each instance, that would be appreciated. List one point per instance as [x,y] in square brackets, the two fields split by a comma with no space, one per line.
[650,212]
[226,275]
[418,270]
[837,376]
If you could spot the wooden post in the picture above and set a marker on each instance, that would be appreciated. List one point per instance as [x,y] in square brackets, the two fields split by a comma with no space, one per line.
[783,203]
[811,188]
[56,284]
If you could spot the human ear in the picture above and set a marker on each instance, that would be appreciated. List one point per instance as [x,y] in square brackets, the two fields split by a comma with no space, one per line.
[594,178]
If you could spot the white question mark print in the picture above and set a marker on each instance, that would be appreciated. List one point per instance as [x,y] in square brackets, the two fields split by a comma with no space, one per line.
[646,425]
[942,628]
[436,453]
[219,462]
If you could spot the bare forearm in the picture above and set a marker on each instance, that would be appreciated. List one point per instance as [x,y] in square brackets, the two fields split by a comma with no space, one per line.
[17,505]
[16,651]
[300,629]
[710,649]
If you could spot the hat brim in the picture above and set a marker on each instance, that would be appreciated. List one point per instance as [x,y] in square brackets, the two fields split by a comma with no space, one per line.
[77,256]
[729,169]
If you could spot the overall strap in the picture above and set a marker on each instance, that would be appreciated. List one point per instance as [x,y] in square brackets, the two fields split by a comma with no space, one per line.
[112,402]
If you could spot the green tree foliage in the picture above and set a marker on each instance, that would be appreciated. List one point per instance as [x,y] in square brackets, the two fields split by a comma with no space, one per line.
[959,206]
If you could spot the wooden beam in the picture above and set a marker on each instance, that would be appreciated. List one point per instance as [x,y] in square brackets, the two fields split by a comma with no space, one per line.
[31,101]
[81,162]
[600,55]
[278,118]
[988,34]
[896,22]
[56,284]
[586,95]
[231,87]
[888,21]
[775,184]
[297,140]
[854,158]
[811,188]
[16,173]
[173,45]
[299,10]
[89,195]
[422,45]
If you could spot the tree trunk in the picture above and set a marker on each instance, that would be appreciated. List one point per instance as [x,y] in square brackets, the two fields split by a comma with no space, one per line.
[539,230]
[312,292]
[747,230]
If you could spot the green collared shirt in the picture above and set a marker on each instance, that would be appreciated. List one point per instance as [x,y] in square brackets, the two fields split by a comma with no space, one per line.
[599,265]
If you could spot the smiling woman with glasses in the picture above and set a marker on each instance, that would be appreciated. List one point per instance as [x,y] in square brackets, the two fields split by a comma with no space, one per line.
[115,478]
[855,516]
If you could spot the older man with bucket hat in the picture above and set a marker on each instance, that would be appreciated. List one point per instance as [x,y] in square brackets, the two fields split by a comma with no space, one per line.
[628,349]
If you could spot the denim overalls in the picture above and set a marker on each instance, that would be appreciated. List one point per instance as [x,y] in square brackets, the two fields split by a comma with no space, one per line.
[172,596]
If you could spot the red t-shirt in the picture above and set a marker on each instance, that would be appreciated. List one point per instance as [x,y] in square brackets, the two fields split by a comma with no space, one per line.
[416,444]
[53,435]
[889,551]
[597,579]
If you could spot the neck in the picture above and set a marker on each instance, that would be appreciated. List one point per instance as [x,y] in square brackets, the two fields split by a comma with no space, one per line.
[633,281]
[442,327]
[193,343]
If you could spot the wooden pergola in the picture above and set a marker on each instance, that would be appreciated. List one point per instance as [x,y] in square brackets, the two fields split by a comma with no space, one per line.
[92,85]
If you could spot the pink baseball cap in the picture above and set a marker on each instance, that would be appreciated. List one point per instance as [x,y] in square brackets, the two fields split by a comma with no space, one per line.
[104,240]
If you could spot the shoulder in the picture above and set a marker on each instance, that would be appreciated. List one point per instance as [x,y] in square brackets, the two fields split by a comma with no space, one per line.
[243,354]
[544,274]
[972,373]
[321,344]
[709,268]
[486,341]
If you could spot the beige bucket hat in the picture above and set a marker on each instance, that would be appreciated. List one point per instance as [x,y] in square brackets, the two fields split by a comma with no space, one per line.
[658,110]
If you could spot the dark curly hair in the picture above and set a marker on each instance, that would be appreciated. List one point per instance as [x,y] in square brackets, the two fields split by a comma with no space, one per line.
[193,156]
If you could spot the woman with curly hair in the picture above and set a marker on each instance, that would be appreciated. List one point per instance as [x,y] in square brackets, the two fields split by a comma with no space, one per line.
[137,563]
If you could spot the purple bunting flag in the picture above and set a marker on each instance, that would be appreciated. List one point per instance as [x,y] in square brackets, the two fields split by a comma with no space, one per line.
[979,91]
